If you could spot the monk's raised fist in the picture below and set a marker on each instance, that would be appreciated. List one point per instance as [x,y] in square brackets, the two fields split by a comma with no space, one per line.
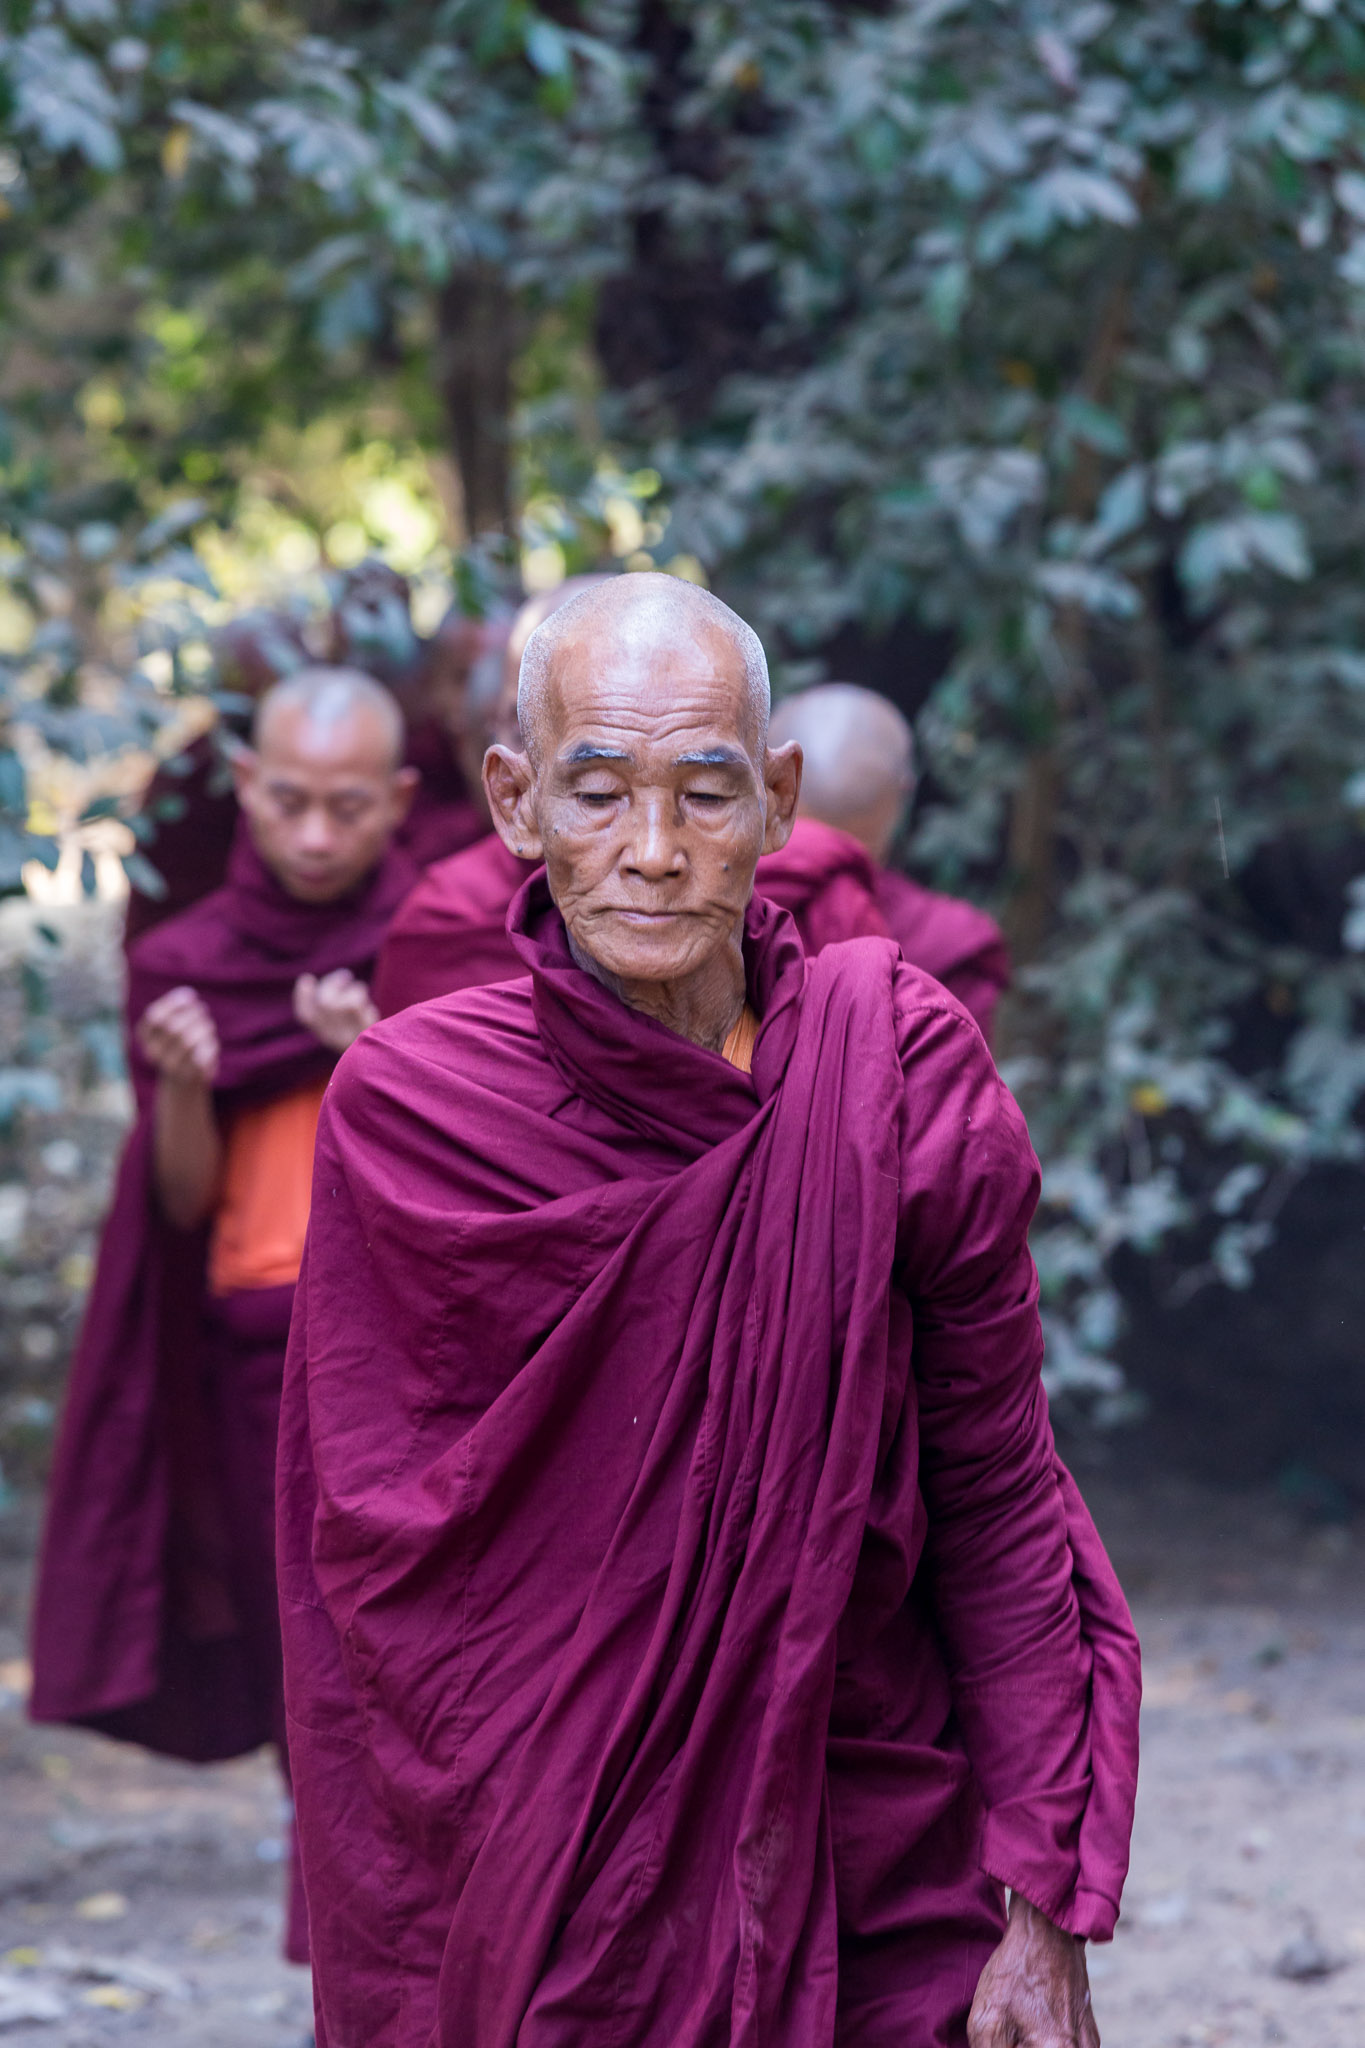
[178,1037]
[335,1007]
[1034,1991]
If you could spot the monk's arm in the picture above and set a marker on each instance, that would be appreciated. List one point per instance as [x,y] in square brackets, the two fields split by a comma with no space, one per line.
[188,1153]
[998,1555]
[177,1037]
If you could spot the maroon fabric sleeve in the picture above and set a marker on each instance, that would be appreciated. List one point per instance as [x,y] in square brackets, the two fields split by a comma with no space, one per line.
[1026,1675]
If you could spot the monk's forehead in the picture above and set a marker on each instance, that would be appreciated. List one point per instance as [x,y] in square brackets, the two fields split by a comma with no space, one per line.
[652,679]
[292,735]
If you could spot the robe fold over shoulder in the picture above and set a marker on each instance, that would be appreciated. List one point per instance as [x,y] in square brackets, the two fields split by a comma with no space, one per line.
[681,1594]
[956,942]
[452,931]
[827,881]
[139,1626]
[835,890]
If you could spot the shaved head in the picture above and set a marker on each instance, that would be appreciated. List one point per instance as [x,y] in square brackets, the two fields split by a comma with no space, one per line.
[634,613]
[859,756]
[326,699]
[322,786]
[537,610]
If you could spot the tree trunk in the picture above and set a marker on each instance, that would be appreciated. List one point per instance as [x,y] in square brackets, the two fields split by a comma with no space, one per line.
[475,369]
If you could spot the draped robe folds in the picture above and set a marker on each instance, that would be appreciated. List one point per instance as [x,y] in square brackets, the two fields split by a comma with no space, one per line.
[827,880]
[155,1611]
[835,890]
[954,941]
[452,931]
[682,1599]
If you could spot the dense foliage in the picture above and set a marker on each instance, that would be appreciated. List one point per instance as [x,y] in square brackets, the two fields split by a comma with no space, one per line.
[1008,354]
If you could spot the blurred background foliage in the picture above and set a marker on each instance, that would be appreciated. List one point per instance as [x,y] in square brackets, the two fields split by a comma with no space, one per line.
[1007,357]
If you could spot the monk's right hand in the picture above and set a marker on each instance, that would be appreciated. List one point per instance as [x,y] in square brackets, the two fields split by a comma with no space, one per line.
[178,1037]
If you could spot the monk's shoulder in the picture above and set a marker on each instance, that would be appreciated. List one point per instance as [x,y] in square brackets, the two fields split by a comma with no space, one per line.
[185,943]
[465,888]
[937,932]
[959,1117]
[478,1040]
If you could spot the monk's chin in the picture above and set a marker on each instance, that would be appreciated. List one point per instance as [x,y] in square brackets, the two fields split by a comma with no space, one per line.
[315,888]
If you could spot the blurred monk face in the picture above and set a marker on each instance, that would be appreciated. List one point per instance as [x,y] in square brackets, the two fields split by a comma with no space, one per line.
[649,796]
[322,799]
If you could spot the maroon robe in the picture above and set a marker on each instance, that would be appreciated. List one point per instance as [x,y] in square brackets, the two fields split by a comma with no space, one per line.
[444,815]
[954,941]
[155,1616]
[452,931]
[190,849]
[827,881]
[193,815]
[835,890]
[679,1586]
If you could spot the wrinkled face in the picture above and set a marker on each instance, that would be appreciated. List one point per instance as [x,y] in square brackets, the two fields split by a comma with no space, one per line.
[322,800]
[650,800]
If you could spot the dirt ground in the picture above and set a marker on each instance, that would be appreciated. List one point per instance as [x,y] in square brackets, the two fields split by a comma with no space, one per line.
[139,1900]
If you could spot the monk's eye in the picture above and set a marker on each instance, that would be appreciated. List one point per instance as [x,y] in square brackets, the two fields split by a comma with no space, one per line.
[707,798]
[596,799]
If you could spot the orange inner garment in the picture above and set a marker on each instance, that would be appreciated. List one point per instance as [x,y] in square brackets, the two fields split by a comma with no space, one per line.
[739,1046]
[262,1215]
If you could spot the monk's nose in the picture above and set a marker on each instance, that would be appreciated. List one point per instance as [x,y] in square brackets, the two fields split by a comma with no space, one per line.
[655,853]
[315,831]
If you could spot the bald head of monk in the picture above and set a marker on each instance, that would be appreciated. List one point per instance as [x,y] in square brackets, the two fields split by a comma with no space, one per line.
[859,755]
[501,714]
[322,784]
[645,782]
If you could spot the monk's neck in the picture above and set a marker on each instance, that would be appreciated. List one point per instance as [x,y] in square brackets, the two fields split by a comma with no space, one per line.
[704,1006]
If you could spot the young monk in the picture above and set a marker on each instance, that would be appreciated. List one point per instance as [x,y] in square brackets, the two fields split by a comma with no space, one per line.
[190,801]
[857,782]
[452,931]
[682,1625]
[156,1615]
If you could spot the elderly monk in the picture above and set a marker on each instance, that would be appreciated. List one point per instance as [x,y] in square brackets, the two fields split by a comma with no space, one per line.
[157,1617]
[452,931]
[857,782]
[682,1630]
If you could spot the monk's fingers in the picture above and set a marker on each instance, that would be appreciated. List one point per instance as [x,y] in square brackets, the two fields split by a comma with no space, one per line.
[177,1003]
[180,1039]
[338,985]
[305,999]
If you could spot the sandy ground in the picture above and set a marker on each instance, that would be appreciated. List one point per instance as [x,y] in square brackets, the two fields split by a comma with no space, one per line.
[139,1900]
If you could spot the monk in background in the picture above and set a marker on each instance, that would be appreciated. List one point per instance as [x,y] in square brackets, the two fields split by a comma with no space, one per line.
[189,808]
[833,874]
[187,814]
[452,931]
[156,1616]
[690,1631]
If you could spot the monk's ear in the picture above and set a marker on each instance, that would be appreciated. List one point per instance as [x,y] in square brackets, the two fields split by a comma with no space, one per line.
[244,762]
[405,785]
[509,785]
[782,779]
